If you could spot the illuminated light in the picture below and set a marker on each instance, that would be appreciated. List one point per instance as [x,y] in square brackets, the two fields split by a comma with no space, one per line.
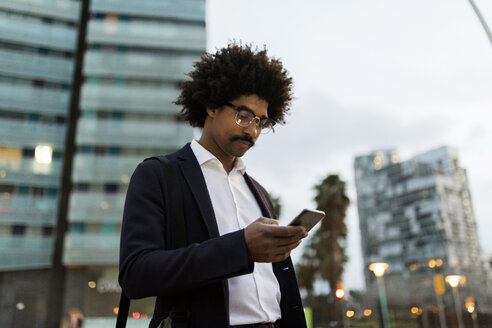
[144,316]
[111,24]
[419,312]
[116,310]
[454,280]
[125,179]
[339,293]
[438,262]
[104,205]
[378,268]
[92,284]
[414,310]
[350,313]
[432,263]
[136,315]
[394,157]
[413,266]
[43,154]
[470,308]
[21,306]
[367,312]
[3,174]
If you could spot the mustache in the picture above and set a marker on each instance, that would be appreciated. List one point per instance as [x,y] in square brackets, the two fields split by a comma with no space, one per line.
[243,138]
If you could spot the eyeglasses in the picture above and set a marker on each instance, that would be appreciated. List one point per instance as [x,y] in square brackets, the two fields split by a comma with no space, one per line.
[245,116]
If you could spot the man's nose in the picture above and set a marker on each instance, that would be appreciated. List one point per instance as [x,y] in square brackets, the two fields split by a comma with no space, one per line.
[252,129]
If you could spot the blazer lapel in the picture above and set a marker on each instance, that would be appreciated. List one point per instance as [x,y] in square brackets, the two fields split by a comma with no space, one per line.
[260,196]
[194,177]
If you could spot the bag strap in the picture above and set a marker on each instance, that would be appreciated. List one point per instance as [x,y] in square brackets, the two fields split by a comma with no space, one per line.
[179,313]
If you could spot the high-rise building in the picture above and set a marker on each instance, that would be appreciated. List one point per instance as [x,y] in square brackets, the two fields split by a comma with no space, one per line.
[136,54]
[417,216]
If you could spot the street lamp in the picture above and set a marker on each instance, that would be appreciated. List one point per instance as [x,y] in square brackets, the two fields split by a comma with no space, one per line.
[454,281]
[378,269]
[439,289]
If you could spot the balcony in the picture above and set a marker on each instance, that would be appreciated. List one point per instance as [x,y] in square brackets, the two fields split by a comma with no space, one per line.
[91,249]
[26,252]
[31,134]
[157,35]
[57,9]
[96,207]
[173,9]
[115,169]
[29,172]
[37,34]
[166,67]
[129,98]
[133,133]
[35,66]
[28,210]
[26,98]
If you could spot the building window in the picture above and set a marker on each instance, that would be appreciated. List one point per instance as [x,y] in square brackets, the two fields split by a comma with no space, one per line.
[18,230]
[47,231]
[78,228]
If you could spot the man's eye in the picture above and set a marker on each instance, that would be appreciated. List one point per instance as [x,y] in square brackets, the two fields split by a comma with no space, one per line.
[244,117]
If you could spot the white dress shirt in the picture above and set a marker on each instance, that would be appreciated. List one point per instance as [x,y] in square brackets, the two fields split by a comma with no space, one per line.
[253,297]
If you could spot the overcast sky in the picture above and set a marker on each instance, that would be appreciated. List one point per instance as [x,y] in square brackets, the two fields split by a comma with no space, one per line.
[406,74]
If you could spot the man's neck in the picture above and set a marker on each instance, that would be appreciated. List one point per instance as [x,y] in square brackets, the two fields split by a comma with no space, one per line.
[227,161]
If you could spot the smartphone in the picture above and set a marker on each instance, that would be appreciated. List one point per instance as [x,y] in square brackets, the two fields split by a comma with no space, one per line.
[307,218]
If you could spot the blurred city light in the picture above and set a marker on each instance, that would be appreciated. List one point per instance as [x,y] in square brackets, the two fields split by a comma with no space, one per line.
[116,310]
[367,312]
[378,268]
[43,154]
[20,306]
[454,280]
[92,284]
[339,293]
[136,315]
[350,313]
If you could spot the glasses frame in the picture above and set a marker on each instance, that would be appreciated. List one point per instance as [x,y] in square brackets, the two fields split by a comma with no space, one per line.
[254,118]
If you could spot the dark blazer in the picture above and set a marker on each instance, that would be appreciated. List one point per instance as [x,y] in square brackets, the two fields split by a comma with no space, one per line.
[201,269]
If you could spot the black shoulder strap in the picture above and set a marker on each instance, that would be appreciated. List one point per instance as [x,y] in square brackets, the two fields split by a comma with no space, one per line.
[179,312]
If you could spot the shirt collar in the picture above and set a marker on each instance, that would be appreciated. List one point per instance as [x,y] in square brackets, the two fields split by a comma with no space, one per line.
[203,156]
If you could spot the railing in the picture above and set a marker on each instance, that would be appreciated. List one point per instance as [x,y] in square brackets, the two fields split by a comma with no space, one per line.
[29,172]
[59,9]
[26,98]
[129,98]
[104,168]
[160,35]
[88,249]
[144,66]
[36,66]
[133,133]
[96,207]
[179,9]
[31,134]
[26,252]
[28,210]
[36,33]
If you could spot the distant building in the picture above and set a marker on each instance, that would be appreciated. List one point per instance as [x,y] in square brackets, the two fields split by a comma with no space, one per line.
[417,216]
[137,53]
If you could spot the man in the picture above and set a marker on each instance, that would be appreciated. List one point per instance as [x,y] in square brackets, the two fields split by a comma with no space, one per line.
[236,270]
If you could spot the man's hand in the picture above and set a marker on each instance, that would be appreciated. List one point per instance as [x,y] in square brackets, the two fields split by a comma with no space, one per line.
[268,242]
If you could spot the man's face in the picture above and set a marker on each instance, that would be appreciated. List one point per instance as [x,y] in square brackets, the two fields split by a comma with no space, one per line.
[227,136]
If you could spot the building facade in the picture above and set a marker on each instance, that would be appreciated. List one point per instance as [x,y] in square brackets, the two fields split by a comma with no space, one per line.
[136,54]
[417,216]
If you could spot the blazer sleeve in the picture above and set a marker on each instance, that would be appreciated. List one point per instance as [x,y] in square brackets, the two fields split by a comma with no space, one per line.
[146,267]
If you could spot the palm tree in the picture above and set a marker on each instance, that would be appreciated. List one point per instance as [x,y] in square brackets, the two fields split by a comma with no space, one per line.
[324,256]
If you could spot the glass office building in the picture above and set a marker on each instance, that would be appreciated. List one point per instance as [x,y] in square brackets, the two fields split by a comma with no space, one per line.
[417,215]
[136,54]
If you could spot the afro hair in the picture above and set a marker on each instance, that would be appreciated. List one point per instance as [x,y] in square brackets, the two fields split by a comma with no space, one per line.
[232,72]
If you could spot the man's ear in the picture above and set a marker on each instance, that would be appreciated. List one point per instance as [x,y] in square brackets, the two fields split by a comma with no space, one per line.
[211,111]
